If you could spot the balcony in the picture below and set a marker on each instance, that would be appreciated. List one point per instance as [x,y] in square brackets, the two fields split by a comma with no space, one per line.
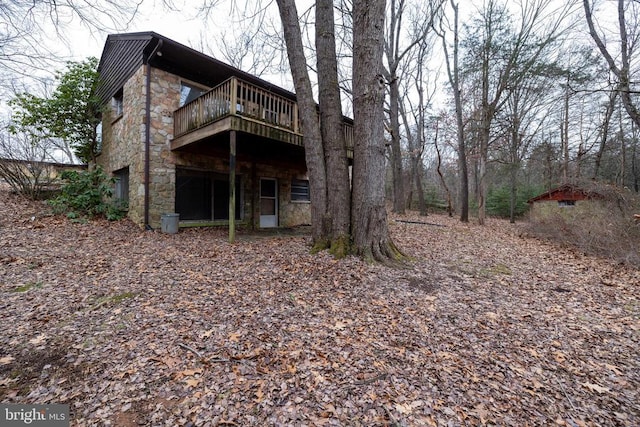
[242,106]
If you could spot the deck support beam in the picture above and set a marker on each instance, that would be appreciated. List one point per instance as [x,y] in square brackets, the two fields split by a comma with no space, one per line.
[232,186]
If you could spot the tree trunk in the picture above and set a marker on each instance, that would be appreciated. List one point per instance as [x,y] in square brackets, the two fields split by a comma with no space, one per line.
[369,217]
[622,72]
[513,193]
[485,135]
[564,136]
[416,148]
[453,73]
[314,153]
[623,152]
[439,170]
[604,132]
[396,151]
[337,169]
[422,203]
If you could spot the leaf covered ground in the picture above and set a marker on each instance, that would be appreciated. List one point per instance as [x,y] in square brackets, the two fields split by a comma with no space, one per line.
[483,327]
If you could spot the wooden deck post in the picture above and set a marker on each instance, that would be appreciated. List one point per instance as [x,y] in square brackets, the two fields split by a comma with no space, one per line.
[233,108]
[232,186]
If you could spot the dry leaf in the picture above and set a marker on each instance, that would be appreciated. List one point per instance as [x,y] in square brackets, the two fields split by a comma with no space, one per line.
[491,315]
[596,387]
[404,408]
[38,340]
[5,360]
[193,382]
[207,334]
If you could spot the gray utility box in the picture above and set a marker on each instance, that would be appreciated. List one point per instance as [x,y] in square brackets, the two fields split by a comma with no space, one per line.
[170,222]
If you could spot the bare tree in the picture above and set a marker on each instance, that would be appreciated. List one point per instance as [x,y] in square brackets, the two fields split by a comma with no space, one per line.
[505,54]
[414,112]
[25,163]
[314,151]
[603,134]
[369,217]
[335,151]
[28,24]
[397,47]
[525,119]
[453,74]
[628,34]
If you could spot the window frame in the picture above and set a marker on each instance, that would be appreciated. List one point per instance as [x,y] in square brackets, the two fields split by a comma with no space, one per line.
[300,191]
[121,185]
[193,85]
[117,103]
[566,203]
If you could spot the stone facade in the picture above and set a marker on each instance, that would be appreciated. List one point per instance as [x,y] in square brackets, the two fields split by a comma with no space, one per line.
[124,146]
[123,142]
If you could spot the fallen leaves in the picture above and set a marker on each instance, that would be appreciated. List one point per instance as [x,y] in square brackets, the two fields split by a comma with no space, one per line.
[475,331]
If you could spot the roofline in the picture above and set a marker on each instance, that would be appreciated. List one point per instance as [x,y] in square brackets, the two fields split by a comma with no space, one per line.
[565,187]
[153,36]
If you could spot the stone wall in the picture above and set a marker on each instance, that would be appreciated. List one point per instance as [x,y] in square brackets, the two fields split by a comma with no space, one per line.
[123,142]
[165,99]
[124,145]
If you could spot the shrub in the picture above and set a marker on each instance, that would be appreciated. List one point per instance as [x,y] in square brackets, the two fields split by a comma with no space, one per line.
[87,194]
[499,200]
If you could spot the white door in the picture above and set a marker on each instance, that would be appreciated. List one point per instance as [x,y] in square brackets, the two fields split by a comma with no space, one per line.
[268,202]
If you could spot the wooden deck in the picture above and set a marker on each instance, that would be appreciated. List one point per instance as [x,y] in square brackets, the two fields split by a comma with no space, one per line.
[241,106]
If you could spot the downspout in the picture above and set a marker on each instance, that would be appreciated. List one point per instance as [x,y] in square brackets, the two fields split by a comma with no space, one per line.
[147,136]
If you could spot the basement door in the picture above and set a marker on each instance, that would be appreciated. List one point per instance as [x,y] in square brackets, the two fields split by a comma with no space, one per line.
[268,203]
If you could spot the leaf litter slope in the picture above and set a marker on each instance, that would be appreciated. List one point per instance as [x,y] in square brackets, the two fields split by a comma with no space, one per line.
[483,328]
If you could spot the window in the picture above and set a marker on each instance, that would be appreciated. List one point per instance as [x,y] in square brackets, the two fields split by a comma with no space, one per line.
[565,203]
[121,191]
[189,92]
[300,190]
[116,103]
[99,138]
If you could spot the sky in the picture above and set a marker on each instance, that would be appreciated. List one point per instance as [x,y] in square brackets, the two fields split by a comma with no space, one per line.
[182,26]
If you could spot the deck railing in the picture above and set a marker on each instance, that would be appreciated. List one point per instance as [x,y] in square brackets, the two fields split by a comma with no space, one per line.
[236,97]
[240,98]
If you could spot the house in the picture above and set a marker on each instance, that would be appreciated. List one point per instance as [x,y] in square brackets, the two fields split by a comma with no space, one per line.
[564,200]
[179,126]
[565,195]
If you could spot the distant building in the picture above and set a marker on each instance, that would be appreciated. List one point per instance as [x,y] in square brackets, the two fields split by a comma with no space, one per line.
[565,195]
[560,198]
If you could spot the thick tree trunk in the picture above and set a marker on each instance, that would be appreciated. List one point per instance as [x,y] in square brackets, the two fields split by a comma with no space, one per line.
[314,152]
[369,217]
[337,169]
